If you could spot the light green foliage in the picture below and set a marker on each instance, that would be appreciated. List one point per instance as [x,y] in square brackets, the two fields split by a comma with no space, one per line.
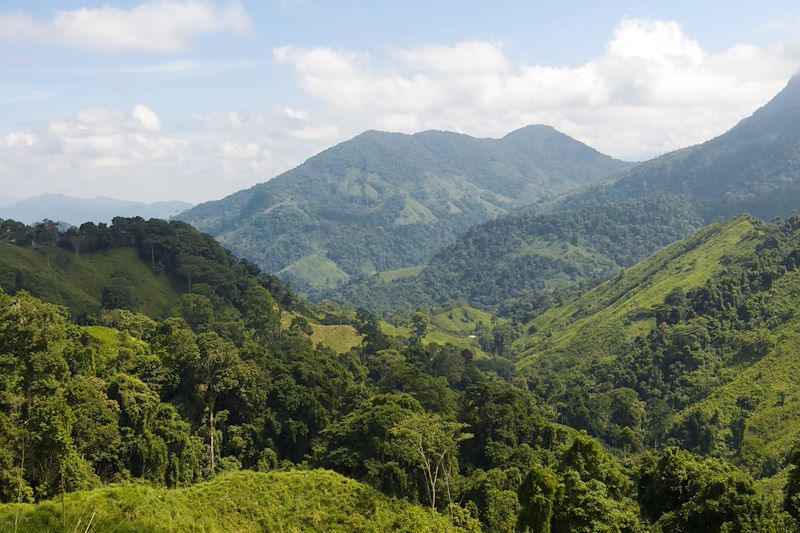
[295,501]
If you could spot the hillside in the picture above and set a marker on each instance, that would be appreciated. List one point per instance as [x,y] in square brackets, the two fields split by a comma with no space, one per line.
[139,423]
[754,167]
[695,346]
[297,501]
[76,211]
[517,255]
[383,201]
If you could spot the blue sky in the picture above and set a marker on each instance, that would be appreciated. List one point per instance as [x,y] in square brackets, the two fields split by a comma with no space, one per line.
[195,99]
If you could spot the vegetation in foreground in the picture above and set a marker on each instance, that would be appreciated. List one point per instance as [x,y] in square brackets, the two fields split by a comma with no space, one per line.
[235,383]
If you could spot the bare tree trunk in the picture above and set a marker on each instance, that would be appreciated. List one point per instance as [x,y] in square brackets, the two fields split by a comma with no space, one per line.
[211,433]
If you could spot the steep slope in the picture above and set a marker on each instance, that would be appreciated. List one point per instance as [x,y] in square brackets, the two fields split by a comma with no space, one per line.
[695,346]
[76,211]
[382,201]
[754,167]
[602,319]
[515,255]
[314,500]
[144,266]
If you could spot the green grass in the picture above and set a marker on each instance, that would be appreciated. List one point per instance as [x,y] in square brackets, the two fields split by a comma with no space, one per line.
[317,271]
[389,276]
[597,323]
[58,276]
[339,338]
[451,324]
[295,501]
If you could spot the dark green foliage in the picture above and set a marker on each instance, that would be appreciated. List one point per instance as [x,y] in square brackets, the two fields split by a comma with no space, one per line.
[384,200]
[585,490]
[685,493]
[520,255]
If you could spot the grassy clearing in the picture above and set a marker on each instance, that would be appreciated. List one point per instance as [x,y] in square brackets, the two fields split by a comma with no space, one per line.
[317,271]
[389,276]
[339,338]
[295,501]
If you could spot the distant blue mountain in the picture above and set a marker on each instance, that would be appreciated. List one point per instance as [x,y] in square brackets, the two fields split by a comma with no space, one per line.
[76,211]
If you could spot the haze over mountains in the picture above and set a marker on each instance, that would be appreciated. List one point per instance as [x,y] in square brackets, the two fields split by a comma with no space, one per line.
[383,201]
[76,211]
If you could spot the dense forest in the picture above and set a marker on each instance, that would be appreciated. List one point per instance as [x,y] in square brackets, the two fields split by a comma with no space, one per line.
[525,255]
[233,382]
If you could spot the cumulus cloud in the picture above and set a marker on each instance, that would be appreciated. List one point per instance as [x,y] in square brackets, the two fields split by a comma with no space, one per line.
[653,90]
[133,154]
[154,26]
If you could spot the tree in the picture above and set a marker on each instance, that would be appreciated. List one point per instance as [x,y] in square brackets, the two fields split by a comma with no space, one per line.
[368,326]
[198,311]
[216,372]
[791,502]
[431,444]
[537,495]
[260,312]
[419,327]
[683,492]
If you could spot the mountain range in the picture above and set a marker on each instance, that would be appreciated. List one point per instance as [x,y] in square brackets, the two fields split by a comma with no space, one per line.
[76,211]
[754,167]
[383,201]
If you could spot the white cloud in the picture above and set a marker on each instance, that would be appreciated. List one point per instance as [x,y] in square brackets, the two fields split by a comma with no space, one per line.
[133,154]
[653,90]
[154,26]
[144,116]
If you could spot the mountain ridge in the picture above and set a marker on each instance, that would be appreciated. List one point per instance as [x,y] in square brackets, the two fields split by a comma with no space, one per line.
[75,211]
[388,200]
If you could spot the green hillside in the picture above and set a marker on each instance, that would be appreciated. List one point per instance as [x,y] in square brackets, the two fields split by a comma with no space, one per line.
[294,501]
[384,201]
[695,346]
[519,255]
[59,276]
[754,168]
[603,318]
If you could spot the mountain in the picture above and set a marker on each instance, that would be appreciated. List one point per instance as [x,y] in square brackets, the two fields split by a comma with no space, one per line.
[754,167]
[383,201]
[75,211]
[588,234]
[693,347]
[517,255]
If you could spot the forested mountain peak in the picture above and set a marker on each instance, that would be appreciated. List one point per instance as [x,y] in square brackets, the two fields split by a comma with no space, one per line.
[388,200]
[754,167]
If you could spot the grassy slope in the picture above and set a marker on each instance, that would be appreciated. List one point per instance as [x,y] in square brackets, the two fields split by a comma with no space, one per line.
[79,281]
[340,338]
[452,324]
[621,308]
[295,501]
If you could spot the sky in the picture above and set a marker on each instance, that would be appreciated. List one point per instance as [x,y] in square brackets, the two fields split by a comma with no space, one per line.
[195,99]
